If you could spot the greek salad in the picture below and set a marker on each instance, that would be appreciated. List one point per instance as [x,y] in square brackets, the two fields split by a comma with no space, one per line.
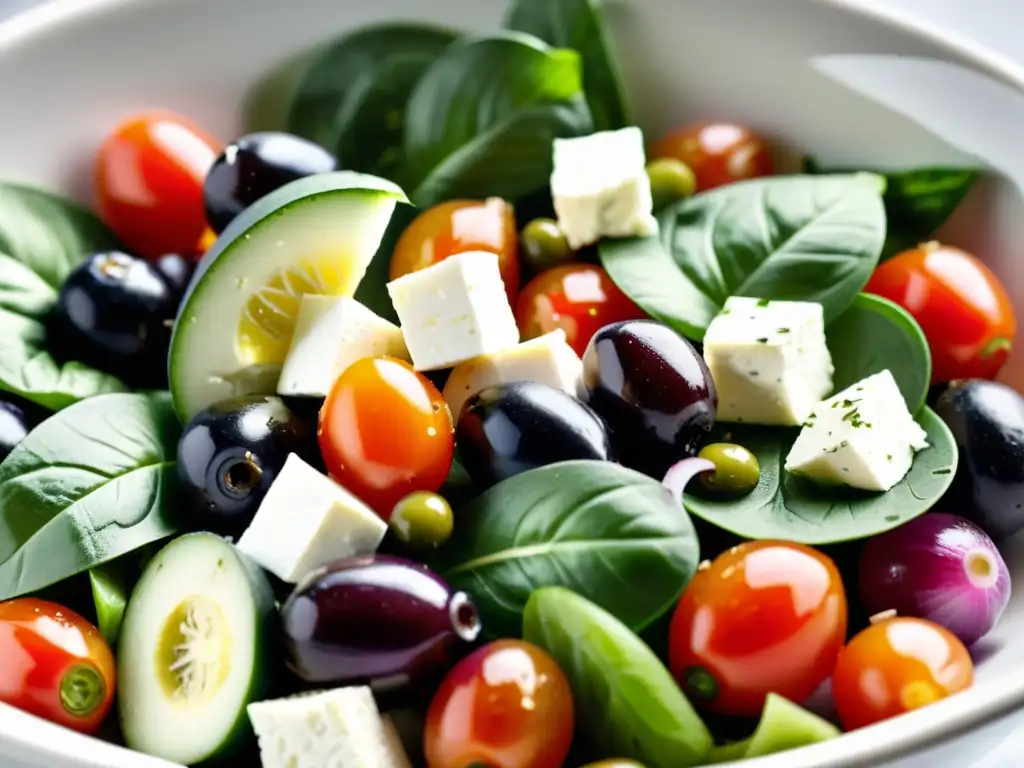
[461,424]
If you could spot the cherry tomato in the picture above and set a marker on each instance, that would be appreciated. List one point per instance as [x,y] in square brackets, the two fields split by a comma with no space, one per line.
[55,664]
[457,226]
[386,432]
[897,665]
[766,616]
[149,179]
[960,305]
[717,153]
[507,705]
[578,298]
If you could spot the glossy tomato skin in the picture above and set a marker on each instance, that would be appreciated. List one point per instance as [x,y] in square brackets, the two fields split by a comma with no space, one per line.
[961,306]
[897,665]
[385,432]
[457,226]
[717,153]
[55,664]
[507,705]
[149,177]
[765,616]
[578,298]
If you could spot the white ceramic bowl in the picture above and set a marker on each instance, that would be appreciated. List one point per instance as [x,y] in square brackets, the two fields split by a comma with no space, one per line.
[847,81]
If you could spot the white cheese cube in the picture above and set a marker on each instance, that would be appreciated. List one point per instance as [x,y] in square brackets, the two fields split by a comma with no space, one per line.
[547,359]
[454,310]
[863,437]
[307,520]
[768,360]
[341,728]
[600,187]
[331,333]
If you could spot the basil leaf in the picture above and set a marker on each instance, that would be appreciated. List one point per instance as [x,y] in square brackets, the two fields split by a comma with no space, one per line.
[22,290]
[579,25]
[798,238]
[875,334]
[784,506]
[372,292]
[110,596]
[627,703]
[89,484]
[610,533]
[482,119]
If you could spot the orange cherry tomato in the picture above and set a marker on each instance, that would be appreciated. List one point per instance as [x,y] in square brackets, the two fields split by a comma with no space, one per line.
[764,617]
[386,432]
[960,305]
[578,298]
[717,153]
[897,665]
[149,178]
[507,705]
[54,664]
[457,226]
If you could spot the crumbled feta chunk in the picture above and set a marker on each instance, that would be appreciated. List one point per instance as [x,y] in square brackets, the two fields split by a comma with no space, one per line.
[768,360]
[863,437]
[331,333]
[307,520]
[600,187]
[454,310]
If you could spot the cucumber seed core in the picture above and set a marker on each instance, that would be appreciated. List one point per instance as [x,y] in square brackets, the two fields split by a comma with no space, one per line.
[193,655]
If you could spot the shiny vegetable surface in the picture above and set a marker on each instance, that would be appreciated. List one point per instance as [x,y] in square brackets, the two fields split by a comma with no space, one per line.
[718,153]
[671,180]
[544,245]
[422,520]
[737,471]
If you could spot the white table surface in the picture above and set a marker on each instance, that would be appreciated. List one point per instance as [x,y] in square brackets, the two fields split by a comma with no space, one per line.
[996,24]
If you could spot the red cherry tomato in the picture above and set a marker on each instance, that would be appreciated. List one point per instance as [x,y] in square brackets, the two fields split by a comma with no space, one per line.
[764,617]
[578,298]
[457,226]
[717,153]
[960,305]
[54,664]
[386,432]
[897,665]
[149,180]
[507,705]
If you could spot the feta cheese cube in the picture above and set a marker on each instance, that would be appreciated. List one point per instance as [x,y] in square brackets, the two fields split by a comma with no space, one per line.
[547,359]
[306,521]
[331,333]
[600,187]
[768,360]
[863,437]
[454,310]
[341,728]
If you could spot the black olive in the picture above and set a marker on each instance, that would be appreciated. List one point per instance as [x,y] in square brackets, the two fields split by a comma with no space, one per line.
[228,456]
[176,271]
[15,424]
[653,390]
[256,165]
[512,428]
[987,420]
[114,312]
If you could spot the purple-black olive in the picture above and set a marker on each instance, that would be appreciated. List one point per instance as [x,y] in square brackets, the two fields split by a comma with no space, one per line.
[653,390]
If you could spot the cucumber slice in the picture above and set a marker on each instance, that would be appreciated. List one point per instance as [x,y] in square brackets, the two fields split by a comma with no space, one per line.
[193,651]
[315,235]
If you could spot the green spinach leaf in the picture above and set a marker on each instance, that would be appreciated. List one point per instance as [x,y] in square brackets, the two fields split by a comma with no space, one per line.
[373,288]
[799,238]
[481,120]
[610,533]
[784,506]
[627,703]
[783,726]
[89,484]
[579,25]
[110,596]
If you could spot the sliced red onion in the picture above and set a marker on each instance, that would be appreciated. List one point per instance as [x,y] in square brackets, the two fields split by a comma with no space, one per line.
[682,472]
[938,567]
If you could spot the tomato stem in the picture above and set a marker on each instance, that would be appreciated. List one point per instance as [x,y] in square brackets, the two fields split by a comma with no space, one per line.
[82,690]
[998,344]
[701,683]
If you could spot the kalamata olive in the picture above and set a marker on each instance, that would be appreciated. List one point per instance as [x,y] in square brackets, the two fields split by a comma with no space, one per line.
[736,474]
[987,420]
[422,520]
[377,620]
[652,389]
[14,427]
[512,428]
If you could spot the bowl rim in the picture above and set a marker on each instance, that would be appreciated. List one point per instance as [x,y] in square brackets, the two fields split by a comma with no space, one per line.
[898,737]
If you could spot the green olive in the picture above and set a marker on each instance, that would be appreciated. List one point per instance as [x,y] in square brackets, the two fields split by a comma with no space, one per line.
[544,245]
[736,470]
[671,180]
[422,520]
